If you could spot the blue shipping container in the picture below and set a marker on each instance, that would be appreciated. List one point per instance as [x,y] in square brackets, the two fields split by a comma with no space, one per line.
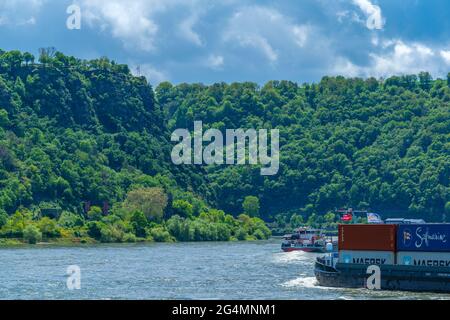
[423,237]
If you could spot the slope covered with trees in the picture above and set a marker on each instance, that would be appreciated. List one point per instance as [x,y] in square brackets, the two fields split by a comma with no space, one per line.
[87,139]
[383,145]
[85,152]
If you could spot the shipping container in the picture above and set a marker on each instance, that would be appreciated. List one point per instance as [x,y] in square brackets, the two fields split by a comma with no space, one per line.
[367,257]
[424,259]
[424,237]
[367,237]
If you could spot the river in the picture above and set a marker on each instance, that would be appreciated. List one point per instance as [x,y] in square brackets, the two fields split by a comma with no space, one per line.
[237,270]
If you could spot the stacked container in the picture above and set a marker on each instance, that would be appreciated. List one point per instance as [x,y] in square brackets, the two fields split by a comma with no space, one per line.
[425,245]
[368,244]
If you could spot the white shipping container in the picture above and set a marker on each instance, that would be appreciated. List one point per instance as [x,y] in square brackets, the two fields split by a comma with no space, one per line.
[424,259]
[367,257]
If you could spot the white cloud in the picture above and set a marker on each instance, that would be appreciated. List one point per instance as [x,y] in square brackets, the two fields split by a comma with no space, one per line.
[349,15]
[259,42]
[186,29]
[375,20]
[13,4]
[128,21]
[398,58]
[342,15]
[446,56]
[215,62]
[153,75]
[134,22]
[404,58]
[264,29]
[19,12]
[301,34]
[31,21]
[375,40]
[344,67]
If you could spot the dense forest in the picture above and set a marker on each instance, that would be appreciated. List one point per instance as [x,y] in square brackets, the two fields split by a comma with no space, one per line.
[372,144]
[85,151]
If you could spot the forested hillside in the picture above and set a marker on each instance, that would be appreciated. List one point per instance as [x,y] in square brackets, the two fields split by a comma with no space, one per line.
[380,145]
[85,152]
[80,131]
[81,136]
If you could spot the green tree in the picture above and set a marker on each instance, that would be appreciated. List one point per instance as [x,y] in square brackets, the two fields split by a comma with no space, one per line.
[95,229]
[4,119]
[19,87]
[70,220]
[28,58]
[14,59]
[280,219]
[160,234]
[330,219]
[48,228]
[241,234]
[425,80]
[16,224]
[150,201]
[179,228]
[312,220]
[296,221]
[46,55]
[183,208]
[139,223]
[447,208]
[95,213]
[3,218]
[31,234]
[251,206]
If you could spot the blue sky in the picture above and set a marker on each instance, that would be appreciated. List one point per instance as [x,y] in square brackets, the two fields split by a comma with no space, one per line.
[241,40]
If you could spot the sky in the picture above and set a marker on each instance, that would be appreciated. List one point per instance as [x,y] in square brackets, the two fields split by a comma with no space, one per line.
[240,40]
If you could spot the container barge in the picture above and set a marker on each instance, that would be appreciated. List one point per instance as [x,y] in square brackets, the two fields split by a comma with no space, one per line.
[410,257]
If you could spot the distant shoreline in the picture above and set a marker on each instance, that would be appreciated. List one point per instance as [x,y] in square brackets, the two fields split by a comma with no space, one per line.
[18,243]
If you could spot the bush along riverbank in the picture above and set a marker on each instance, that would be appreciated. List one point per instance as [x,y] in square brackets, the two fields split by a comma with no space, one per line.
[140,218]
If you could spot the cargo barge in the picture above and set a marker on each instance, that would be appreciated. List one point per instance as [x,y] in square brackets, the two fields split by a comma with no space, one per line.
[410,258]
[393,277]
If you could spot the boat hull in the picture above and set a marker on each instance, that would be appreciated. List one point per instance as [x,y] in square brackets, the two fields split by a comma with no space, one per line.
[393,277]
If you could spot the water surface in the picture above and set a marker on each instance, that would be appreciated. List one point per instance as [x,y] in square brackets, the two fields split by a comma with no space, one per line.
[241,270]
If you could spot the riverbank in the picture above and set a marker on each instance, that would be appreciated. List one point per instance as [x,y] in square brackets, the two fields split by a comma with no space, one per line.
[11,243]
[73,242]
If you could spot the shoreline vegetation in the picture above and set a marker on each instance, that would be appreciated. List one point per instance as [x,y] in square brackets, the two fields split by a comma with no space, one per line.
[85,153]
[140,218]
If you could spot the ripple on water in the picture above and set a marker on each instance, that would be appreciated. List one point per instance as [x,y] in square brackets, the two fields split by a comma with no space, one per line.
[291,257]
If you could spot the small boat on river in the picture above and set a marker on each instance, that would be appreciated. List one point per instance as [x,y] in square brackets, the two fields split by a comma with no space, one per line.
[307,240]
